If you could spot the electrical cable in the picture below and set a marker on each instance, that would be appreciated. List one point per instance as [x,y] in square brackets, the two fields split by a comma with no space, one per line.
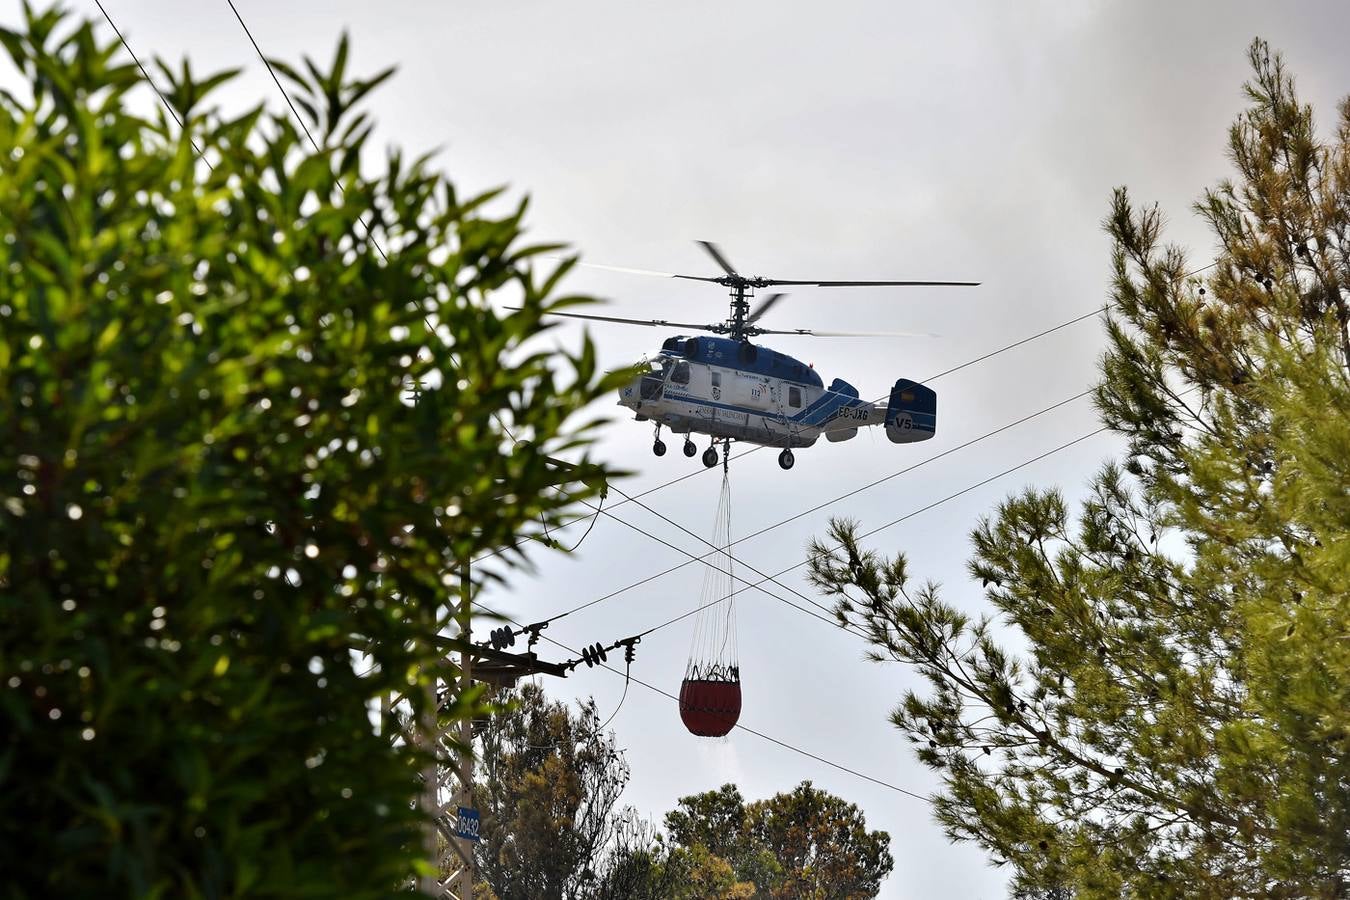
[748,584]
[773,740]
[154,87]
[749,730]
[598,509]
[693,559]
[759,734]
[637,498]
[909,515]
[627,677]
[370,235]
[894,522]
[834,622]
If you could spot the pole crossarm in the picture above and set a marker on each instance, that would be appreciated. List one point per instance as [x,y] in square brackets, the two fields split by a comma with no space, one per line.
[497,666]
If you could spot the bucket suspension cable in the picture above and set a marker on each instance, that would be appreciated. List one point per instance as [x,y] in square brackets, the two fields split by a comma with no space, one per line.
[710,696]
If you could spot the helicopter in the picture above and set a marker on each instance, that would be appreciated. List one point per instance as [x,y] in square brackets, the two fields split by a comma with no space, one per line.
[722,385]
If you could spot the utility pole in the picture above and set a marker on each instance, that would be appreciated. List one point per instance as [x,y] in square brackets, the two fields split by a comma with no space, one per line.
[449,848]
[464,797]
[444,777]
[451,875]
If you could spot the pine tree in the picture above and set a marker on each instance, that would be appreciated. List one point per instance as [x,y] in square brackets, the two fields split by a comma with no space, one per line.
[1178,722]
[549,788]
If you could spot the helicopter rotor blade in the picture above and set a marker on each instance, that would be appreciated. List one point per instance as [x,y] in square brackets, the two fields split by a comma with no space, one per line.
[627,270]
[717,255]
[808,332]
[766,305]
[778,281]
[651,323]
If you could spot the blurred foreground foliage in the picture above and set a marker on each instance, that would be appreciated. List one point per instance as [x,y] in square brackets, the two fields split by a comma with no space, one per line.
[225,528]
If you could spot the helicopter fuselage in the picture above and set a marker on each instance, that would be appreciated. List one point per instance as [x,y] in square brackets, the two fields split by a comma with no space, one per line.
[735,390]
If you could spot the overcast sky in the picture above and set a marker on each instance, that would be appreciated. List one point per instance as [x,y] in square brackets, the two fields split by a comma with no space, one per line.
[867,140]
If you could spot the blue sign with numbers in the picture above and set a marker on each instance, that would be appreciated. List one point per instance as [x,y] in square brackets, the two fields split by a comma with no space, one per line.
[466,823]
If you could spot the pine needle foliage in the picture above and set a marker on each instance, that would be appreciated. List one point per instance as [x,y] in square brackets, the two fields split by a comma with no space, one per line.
[225,526]
[1176,720]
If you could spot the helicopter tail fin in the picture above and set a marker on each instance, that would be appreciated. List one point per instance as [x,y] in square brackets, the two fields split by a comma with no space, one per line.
[912,413]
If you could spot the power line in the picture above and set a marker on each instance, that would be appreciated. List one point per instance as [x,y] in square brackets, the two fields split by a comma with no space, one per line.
[636,499]
[277,81]
[874,531]
[759,734]
[907,516]
[725,551]
[370,235]
[784,744]
[154,87]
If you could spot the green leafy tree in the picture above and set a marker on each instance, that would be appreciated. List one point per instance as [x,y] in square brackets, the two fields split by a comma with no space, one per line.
[806,843]
[224,526]
[550,782]
[1178,722]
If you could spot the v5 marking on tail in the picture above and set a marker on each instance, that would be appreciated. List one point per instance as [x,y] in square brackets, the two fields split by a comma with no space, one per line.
[911,414]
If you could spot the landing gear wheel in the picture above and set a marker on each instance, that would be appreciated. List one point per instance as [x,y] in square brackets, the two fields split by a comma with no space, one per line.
[689,448]
[710,457]
[785,459]
[659,448]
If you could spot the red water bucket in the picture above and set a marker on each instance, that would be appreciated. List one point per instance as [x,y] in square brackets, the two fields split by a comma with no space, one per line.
[710,708]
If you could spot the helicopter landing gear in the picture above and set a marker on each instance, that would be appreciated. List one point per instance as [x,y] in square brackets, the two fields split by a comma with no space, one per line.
[786,459]
[689,448]
[710,457]
[658,447]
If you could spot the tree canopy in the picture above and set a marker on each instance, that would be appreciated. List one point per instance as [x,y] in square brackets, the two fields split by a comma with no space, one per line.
[547,792]
[806,843]
[225,526]
[553,829]
[1178,720]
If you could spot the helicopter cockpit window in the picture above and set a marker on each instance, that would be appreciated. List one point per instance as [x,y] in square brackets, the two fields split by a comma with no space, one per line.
[681,373]
[794,396]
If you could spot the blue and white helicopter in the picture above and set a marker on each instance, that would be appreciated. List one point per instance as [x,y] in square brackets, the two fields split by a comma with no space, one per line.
[733,390]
